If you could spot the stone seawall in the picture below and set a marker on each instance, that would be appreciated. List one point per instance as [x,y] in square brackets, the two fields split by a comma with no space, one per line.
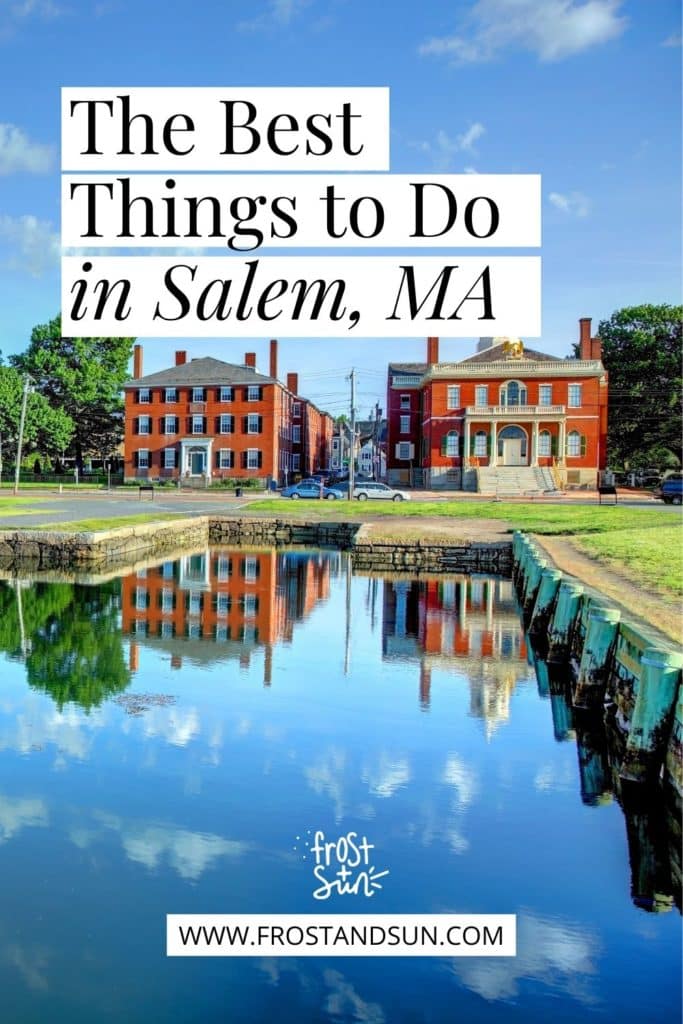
[108,550]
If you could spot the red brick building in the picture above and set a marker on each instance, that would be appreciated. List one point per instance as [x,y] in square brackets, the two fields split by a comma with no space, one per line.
[206,419]
[504,409]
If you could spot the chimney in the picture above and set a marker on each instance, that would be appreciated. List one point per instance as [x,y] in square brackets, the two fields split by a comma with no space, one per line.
[273,358]
[432,350]
[596,348]
[137,362]
[180,358]
[250,359]
[585,337]
[293,382]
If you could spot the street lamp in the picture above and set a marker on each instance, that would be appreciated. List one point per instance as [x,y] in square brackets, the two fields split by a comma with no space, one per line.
[22,420]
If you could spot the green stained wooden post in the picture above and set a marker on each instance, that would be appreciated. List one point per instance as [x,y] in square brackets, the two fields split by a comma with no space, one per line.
[601,633]
[525,551]
[657,691]
[533,582]
[563,725]
[674,751]
[561,626]
[542,680]
[594,769]
[545,600]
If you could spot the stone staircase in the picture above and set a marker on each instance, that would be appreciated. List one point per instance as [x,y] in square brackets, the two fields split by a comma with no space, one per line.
[515,481]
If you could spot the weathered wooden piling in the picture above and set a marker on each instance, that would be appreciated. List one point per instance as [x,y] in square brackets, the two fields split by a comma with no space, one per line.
[594,768]
[652,714]
[533,581]
[601,632]
[545,601]
[561,626]
[563,722]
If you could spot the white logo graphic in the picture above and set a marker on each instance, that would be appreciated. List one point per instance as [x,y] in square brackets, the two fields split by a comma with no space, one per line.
[342,865]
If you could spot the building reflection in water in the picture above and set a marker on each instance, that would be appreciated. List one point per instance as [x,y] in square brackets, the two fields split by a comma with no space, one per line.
[470,624]
[237,600]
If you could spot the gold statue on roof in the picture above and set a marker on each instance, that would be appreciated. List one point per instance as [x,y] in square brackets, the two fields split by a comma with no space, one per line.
[512,348]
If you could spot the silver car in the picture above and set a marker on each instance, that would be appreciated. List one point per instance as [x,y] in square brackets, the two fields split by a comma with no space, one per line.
[372,489]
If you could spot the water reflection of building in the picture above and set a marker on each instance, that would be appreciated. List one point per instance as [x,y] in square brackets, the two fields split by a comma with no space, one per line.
[237,600]
[470,624]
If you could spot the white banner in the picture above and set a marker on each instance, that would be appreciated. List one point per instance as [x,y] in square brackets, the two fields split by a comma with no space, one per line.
[301,297]
[444,935]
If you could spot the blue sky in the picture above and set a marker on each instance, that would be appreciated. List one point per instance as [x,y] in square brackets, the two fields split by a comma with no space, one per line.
[586,92]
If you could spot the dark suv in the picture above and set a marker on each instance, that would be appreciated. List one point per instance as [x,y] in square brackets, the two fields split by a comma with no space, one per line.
[671,490]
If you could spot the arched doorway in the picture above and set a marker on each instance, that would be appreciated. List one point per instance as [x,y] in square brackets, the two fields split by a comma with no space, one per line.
[513,447]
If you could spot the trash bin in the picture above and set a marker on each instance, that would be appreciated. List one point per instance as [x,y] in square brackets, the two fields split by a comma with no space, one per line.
[238,492]
[273,485]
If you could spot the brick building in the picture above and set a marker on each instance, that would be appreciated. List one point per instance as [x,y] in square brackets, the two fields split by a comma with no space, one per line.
[206,419]
[499,415]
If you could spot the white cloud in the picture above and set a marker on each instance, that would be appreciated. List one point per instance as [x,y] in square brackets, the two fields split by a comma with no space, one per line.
[574,204]
[387,776]
[673,40]
[552,29]
[277,15]
[34,245]
[20,10]
[18,154]
[17,813]
[444,148]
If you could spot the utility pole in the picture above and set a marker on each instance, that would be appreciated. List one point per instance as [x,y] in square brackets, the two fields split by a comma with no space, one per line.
[352,469]
[22,420]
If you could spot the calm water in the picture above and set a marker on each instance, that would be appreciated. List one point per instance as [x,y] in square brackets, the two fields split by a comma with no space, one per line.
[166,737]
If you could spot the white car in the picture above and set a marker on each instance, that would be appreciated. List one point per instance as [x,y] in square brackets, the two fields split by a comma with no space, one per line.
[372,489]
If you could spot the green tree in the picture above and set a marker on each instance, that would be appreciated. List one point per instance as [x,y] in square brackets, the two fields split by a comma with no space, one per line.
[46,429]
[642,349]
[83,377]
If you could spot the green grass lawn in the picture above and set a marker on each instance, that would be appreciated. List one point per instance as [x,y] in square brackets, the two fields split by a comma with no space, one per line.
[94,525]
[654,557]
[533,518]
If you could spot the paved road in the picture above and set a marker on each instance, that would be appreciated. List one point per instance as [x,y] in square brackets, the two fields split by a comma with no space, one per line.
[54,508]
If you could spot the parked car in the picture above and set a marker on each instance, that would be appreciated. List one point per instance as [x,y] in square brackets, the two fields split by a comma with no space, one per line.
[310,489]
[372,489]
[671,490]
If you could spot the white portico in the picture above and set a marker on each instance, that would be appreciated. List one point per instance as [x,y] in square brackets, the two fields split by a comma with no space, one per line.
[195,457]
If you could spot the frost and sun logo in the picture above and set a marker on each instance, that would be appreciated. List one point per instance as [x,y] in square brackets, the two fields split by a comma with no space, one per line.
[342,866]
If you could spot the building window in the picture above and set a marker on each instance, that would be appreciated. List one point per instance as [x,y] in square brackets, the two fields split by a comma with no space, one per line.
[404,449]
[573,444]
[453,396]
[225,424]
[296,434]
[481,395]
[513,393]
[253,458]
[170,425]
[223,568]
[225,458]
[250,569]
[197,394]
[225,395]
[143,458]
[194,603]
[143,396]
[140,599]
[544,441]
[168,570]
[296,462]
[574,398]
[452,444]
[253,423]
[144,423]
[197,424]
[169,458]
[253,393]
[545,394]
[222,604]
[171,395]
[405,401]
[480,439]
[250,605]
[296,409]
[167,601]
[405,424]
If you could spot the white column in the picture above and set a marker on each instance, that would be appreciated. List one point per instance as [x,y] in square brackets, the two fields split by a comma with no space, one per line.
[494,444]
[467,440]
[561,443]
[534,443]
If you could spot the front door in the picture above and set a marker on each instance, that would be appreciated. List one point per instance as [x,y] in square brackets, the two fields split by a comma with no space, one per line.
[197,463]
[512,452]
